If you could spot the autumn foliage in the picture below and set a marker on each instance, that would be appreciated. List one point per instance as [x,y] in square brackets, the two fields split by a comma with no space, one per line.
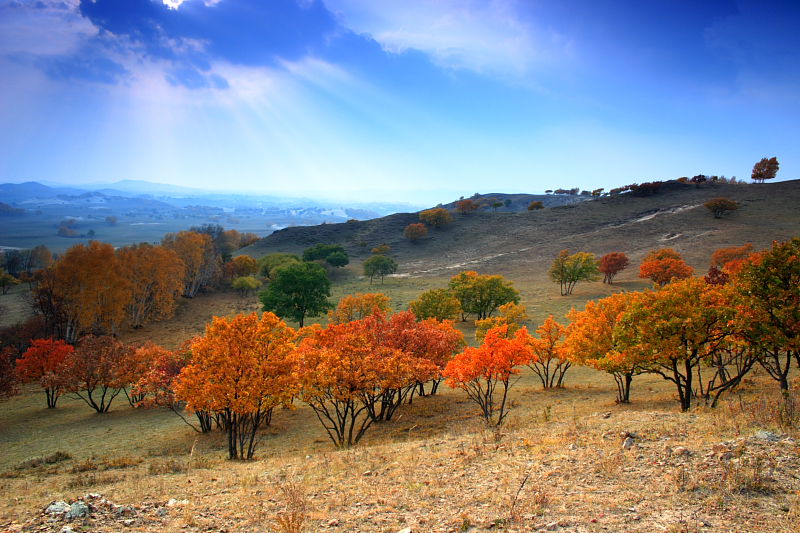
[241,370]
[765,169]
[488,372]
[591,341]
[415,232]
[358,306]
[720,206]
[436,217]
[511,314]
[94,371]
[464,207]
[44,363]
[199,257]
[154,275]
[360,372]
[663,266]
[612,264]
[549,361]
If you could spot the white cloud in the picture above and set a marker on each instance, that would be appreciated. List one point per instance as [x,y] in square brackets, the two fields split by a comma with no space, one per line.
[54,29]
[486,36]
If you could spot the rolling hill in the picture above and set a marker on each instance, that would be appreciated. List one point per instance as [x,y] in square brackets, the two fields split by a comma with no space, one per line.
[525,242]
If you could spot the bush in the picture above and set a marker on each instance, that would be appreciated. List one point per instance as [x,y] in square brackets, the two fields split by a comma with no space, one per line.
[415,232]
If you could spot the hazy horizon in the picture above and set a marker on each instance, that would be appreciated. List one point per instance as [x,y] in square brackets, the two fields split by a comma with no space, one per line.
[350,100]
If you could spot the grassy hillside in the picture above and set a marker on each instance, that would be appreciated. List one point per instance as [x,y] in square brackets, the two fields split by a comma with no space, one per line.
[558,464]
[521,246]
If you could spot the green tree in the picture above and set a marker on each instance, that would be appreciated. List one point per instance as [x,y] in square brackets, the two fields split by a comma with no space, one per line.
[332,254]
[767,297]
[482,294]
[245,284]
[298,291]
[440,304]
[379,265]
[270,263]
[337,259]
[567,270]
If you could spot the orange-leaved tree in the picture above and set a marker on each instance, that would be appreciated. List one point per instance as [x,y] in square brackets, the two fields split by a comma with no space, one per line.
[85,290]
[674,331]
[240,266]
[765,169]
[44,362]
[355,307]
[426,346]
[466,207]
[93,370]
[549,360]
[730,258]
[612,264]
[591,341]
[138,362]
[479,371]
[156,386]
[241,370]
[155,277]
[200,259]
[664,265]
[336,369]
[720,206]
[415,232]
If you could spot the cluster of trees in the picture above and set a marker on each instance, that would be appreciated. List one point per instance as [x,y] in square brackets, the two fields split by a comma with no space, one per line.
[661,266]
[94,289]
[702,334]
[299,289]
[359,370]
[468,293]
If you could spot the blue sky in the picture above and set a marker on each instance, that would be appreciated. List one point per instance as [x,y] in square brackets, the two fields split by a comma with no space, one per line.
[419,100]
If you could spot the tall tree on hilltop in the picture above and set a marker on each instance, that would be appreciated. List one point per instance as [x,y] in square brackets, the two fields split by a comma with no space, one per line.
[765,169]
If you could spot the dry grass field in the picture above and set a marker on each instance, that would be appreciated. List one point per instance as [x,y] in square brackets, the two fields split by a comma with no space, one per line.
[558,464]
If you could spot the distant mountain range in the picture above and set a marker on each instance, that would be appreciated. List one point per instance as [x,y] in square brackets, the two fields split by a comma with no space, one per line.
[131,211]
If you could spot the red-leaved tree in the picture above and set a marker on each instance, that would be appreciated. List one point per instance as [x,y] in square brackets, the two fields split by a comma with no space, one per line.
[612,264]
[44,362]
[92,371]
